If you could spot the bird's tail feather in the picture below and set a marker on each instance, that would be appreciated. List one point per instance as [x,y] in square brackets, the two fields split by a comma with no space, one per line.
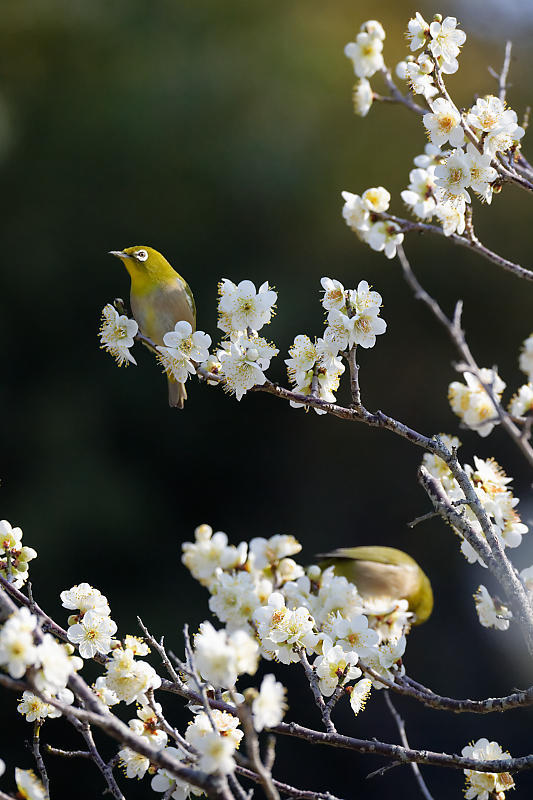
[177,394]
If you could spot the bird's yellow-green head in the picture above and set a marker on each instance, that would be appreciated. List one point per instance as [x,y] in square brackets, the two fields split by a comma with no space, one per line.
[145,265]
[384,571]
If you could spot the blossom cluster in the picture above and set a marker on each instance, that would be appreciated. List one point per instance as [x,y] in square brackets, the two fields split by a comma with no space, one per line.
[475,401]
[24,647]
[360,214]
[463,147]
[315,368]
[244,356]
[485,785]
[491,486]
[14,556]
[117,335]
[257,589]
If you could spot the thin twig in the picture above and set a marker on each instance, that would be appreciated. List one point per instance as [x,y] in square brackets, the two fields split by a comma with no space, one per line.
[56,751]
[41,767]
[160,649]
[403,736]
[104,768]
[284,788]
[397,96]
[502,82]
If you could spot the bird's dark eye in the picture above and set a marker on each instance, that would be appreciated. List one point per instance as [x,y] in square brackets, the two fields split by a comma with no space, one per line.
[141,255]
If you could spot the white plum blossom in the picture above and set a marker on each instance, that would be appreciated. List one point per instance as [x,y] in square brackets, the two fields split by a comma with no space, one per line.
[269,707]
[163,781]
[354,635]
[376,199]
[235,597]
[130,679]
[431,156]
[29,786]
[283,631]
[303,354]
[227,725]
[362,97]
[134,764]
[385,660]
[215,753]
[209,552]
[481,173]
[54,665]
[420,80]
[471,402]
[241,306]
[374,28]
[117,334]
[364,324]
[525,361]
[17,647]
[334,296]
[183,347]
[417,31]
[497,125]
[356,214]
[92,634]
[335,666]
[220,658]
[385,236]
[85,598]
[453,176]
[266,552]
[365,54]
[484,785]
[522,402]
[359,693]
[420,195]
[14,556]
[243,362]
[443,123]
[327,382]
[451,216]
[446,42]
[35,709]
[491,614]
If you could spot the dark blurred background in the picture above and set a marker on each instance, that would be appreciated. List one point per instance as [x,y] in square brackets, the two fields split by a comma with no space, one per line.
[223,134]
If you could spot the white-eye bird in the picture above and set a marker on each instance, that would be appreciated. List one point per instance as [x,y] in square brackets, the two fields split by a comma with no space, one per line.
[384,571]
[159,298]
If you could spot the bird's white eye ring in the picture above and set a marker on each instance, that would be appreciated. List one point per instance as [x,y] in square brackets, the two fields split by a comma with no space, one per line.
[141,255]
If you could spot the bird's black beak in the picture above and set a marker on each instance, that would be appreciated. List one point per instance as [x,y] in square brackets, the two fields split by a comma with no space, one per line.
[118,254]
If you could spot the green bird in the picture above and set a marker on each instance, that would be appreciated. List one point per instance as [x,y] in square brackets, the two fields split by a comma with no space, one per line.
[384,571]
[159,298]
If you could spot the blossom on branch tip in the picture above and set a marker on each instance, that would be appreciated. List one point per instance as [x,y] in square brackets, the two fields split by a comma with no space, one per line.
[365,54]
[420,80]
[117,334]
[491,613]
[484,785]
[417,31]
[14,556]
[266,552]
[356,214]
[209,552]
[446,42]
[451,216]
[376,199]
[471,402]
[130,679]
[496,125]
[269,706]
